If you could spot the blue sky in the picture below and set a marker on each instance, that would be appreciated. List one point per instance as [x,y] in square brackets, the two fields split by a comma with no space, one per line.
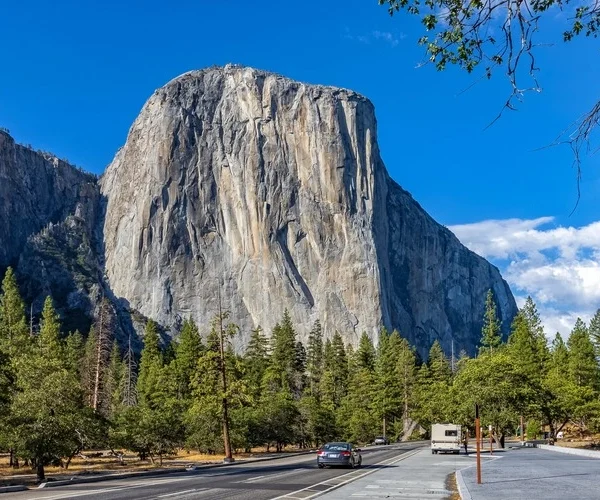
[76,74]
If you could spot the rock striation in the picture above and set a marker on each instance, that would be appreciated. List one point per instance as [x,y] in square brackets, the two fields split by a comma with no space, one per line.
[270,194]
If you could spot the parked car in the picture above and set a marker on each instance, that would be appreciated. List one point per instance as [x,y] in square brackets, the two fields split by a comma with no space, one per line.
[381,440]
[344,454]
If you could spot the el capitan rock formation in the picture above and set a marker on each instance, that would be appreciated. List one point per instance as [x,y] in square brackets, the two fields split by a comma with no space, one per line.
[274,193]
[268,191]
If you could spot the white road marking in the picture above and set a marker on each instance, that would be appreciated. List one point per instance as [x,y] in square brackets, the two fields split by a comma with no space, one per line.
[376,466]
[270,476]
[73,494]
[176,493]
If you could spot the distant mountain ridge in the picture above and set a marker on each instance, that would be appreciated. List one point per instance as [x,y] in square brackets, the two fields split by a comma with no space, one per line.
[268,191]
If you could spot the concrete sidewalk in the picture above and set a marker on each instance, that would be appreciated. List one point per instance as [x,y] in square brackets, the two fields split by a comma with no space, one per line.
[419,476]
[531,474]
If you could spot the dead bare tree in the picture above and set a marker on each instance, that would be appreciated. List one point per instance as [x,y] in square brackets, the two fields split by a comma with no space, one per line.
[97,358]
[129,393]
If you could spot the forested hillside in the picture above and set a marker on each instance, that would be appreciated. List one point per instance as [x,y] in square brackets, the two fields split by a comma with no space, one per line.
[61,394]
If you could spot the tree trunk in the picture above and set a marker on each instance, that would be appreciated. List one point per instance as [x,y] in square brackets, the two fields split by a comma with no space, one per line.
[71,457]
[39,470]
[98,367]
[11,458]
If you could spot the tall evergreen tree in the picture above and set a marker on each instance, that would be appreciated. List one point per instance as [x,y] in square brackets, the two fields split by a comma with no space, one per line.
[187,352]
[314,358]
[48,409]
[256,360]
[583,368]
[405,372]
[528,345]
[365,354]
[151,364]
[281,372]
[14,337]
[491,337]
[594,330]
[115,381]
[439,367]
[386,396]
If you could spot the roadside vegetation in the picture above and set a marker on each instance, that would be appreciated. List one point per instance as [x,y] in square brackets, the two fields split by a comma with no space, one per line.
[63,394]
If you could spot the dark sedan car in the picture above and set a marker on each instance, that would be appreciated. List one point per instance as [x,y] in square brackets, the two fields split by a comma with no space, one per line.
[344,454]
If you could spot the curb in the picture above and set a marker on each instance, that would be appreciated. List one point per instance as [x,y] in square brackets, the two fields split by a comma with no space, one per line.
[159,472]
[10,489]
[570,451]
[463,491]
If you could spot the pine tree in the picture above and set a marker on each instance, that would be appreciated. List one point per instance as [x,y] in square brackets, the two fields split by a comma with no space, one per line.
[49,338]
[583,368]
[256,360]
[559,356]
[151,364]
[365,354]
[340,365]
[528,350]
[490,333]
[48,410]
[187,351]
[386,396]
[73,351]
[314,358]
[282,367]
[115,381]
[14,337]
[439,366]
[405,373]
[594,330]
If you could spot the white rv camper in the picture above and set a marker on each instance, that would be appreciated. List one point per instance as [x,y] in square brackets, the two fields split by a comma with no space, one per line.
[446,438]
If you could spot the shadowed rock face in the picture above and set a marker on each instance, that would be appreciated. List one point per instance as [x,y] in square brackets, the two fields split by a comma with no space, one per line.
[36,189]
[273,193]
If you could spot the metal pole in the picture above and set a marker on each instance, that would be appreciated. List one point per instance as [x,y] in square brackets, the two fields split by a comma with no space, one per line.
[491,441]
[478,441]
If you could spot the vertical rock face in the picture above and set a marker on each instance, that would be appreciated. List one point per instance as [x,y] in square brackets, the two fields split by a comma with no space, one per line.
[36,189]
[272,194]
[49,212]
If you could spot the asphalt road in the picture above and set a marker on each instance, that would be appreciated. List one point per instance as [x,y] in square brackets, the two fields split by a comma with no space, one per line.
[291,477]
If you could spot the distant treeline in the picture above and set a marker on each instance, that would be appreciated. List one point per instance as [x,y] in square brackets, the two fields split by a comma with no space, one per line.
[62,394]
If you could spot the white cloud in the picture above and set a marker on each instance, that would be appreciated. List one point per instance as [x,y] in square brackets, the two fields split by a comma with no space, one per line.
[387,37]
[376,36]
[558,266]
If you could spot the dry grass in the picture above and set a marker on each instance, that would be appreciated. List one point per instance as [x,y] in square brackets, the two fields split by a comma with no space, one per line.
[451,486]
[130,462]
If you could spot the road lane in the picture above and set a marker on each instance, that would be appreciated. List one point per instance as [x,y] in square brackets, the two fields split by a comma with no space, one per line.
[260,481]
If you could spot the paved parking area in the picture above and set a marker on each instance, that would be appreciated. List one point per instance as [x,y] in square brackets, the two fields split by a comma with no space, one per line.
[531,474]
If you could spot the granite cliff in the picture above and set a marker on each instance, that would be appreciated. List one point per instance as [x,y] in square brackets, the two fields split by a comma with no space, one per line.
[272,194]
[242,184]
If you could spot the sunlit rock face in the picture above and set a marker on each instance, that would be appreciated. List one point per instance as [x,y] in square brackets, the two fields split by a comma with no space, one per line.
[271,194]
